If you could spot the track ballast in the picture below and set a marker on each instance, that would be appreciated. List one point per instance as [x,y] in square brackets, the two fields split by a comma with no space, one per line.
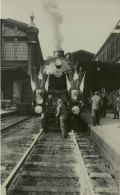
[62,166]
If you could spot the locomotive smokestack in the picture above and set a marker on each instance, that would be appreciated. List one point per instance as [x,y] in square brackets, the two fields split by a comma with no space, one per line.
[59,53]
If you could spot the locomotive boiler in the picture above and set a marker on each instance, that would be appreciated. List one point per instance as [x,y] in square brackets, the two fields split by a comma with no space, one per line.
[57,81]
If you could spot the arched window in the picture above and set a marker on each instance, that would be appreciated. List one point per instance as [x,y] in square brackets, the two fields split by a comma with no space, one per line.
[22,51]
[8,51]
[14,50]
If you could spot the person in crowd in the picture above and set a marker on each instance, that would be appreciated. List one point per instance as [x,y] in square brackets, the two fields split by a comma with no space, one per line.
[103,105]
[62,113]
[116,106]
[119,112]
[96,104]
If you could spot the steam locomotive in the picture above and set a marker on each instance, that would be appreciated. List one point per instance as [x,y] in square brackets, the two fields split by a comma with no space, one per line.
[56,81]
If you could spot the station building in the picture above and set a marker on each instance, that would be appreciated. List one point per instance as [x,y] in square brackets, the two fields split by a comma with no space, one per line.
[110,50]
[82,56]
[108,58]
[103,68]
[21,56]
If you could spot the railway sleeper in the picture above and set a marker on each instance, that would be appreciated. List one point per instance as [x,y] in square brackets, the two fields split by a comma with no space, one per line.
[38,190]
[49,168]
[48,174]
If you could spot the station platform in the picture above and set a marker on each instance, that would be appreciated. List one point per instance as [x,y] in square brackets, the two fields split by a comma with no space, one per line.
[7,112]
[106,136]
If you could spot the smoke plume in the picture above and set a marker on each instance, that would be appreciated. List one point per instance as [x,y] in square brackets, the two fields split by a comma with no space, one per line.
[52,10]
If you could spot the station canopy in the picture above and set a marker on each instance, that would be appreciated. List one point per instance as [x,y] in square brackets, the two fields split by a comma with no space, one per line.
[101,74]
[14,73]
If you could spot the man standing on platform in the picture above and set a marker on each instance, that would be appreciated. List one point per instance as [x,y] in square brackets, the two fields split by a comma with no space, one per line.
[116,107]
[103,105]
[96,104]
[62,112]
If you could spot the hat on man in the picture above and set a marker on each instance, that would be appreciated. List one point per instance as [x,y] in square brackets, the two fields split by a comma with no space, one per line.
[59,101]
[96,92]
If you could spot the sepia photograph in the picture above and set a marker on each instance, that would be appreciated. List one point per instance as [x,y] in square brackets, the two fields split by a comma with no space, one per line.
[60,97]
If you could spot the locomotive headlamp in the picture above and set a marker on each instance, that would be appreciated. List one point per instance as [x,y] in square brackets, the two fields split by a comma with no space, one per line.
[39,100]
[75,109]
[38,109]
[58,63]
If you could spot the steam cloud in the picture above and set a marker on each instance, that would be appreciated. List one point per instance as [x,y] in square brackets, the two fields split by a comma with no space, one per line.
[52,10]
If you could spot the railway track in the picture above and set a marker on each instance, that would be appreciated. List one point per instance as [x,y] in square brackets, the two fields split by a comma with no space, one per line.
[55,166]
[6,118]
[8,122]
[51,166]
[99,171]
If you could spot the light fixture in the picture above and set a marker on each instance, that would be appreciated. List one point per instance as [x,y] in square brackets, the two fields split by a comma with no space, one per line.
[75,109]
[58,63]
[38,109]
[98,68]
[39,100]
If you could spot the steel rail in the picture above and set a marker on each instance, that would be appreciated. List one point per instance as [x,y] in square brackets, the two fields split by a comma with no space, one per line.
[10,178]
[4,119]
[89,187]
[15,123]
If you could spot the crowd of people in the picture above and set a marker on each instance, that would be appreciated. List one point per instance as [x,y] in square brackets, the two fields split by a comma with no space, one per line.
[99,104]
[98,109]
